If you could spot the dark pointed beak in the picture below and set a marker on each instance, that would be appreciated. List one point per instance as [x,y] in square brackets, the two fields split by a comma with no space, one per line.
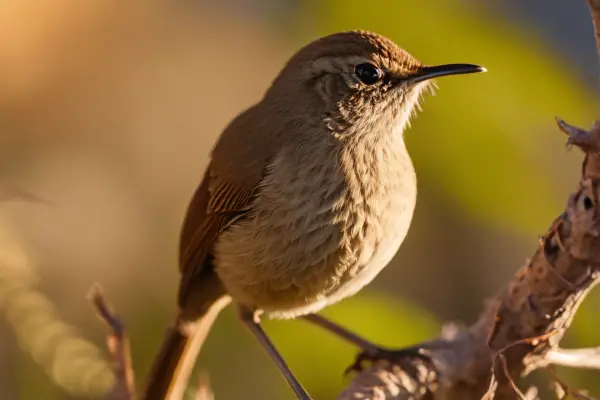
[426,73]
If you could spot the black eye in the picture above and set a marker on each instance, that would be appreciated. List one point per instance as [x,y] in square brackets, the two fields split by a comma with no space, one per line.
[368,73]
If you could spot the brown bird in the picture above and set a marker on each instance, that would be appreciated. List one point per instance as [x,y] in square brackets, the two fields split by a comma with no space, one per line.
[308,195]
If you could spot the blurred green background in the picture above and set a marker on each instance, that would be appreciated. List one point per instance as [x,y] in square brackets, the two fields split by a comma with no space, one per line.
[108,109]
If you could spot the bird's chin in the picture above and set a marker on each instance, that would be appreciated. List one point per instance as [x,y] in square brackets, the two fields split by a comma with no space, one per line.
[418,89]
[413,99]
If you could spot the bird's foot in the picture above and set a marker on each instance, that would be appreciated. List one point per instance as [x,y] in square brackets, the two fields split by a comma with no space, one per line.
[393,356]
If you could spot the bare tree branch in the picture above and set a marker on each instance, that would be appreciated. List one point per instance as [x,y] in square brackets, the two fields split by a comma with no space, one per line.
[576,358]
[119,350]
[118,347]
[563,391]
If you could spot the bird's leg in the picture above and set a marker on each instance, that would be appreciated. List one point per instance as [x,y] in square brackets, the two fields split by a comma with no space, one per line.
[370,350]
[344,333]
[251,320]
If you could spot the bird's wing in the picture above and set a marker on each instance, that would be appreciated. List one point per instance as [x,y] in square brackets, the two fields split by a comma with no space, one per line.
[225,194]
[215,204]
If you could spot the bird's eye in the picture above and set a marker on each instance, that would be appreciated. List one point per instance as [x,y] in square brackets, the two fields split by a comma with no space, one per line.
[368,73]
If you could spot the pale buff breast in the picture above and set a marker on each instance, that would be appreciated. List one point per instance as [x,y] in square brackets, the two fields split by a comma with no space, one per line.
[317,235]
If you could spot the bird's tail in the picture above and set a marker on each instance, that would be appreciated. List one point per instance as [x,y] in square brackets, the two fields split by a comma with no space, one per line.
[173,366]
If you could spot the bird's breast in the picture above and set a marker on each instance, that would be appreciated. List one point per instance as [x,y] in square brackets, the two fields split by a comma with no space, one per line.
[317,232]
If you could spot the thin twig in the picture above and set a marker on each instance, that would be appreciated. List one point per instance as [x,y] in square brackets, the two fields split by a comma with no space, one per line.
[118,347]
[588,358]
[563,390]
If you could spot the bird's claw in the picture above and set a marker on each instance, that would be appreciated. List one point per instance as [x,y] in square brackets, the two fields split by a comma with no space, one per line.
[392,356]
[356,366]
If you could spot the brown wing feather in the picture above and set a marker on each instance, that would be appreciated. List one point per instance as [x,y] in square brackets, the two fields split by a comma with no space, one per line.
[215,204]
[239,161]
[197,225]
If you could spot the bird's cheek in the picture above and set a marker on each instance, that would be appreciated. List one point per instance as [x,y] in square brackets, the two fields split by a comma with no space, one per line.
[330,89]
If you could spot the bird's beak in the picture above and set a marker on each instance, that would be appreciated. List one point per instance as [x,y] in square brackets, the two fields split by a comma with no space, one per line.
[426,73]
